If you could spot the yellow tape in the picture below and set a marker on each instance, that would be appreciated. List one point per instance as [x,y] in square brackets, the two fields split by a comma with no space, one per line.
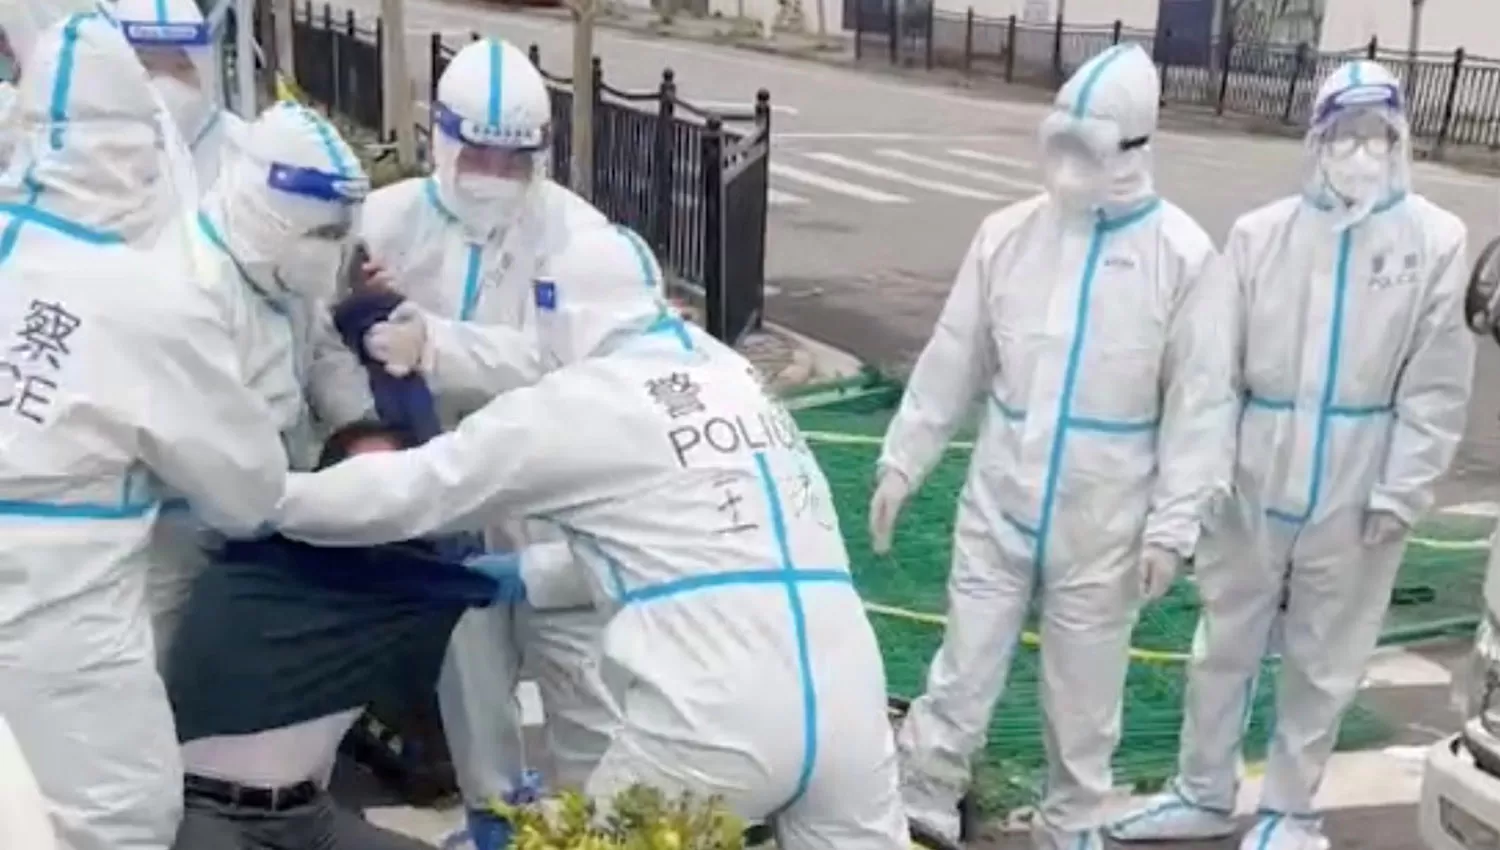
[1149,656]
[286,90]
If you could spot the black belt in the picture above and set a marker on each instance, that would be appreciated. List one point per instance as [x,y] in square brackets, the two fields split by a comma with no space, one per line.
[249,797]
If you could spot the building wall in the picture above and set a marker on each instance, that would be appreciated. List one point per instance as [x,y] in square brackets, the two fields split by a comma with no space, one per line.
[1446,25]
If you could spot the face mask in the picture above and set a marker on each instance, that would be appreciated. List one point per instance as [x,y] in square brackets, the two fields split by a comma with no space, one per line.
[186,104]
[1357,179]
[490,202]
[1075,182]
[310,268]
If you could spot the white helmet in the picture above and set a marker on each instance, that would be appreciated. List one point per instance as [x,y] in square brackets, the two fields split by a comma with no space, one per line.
[603,286]
[491,125]
[176,46]
[289,202]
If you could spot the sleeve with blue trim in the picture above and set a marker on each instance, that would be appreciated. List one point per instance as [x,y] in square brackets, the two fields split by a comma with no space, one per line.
[956,365]
[1196,441]
[571,440]
[205,434]
[1432,394]
[470,358]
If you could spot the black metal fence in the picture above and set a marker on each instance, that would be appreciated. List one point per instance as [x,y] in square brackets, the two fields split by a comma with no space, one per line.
[695,189]
[1452,98]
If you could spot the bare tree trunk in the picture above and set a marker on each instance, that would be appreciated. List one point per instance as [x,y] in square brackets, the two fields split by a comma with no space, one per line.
[581,174]
[397,82]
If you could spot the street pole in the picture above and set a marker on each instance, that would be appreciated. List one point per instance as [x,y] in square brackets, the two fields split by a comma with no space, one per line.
[581,173]
[286,63]
[244,57]
[1413,44]
[397,83]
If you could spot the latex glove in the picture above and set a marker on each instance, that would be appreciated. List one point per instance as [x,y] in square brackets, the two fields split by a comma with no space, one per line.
[505,569]
[399,342]
[891,493]
[1382,527]
[1159,568]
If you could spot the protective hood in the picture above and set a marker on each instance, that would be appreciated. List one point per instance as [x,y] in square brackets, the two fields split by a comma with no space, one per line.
[176,46]
[22,21]
[1345,179]
[288,201]
[490,96]
[1095,144]
[90,149]
[604,285]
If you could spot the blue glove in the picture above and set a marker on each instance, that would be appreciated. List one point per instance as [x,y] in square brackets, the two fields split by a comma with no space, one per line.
[504,569]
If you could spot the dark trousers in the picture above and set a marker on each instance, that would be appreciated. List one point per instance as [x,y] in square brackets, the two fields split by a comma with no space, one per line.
[318,824]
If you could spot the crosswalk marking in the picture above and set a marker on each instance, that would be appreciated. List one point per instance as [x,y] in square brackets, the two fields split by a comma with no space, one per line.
[832,184]
[778,198]
[965,170]
[994,159]
[901,177]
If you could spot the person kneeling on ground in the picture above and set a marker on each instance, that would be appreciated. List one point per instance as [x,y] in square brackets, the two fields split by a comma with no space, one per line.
[282,646]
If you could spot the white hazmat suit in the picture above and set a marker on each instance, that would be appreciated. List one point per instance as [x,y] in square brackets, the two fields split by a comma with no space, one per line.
[271,239]
[176,45]
[118,377]
[708,527]
[1357,368]
[464,246]
[1091,320]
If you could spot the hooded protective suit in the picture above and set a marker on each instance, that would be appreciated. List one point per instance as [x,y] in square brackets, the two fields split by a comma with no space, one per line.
[1091,321]
[118,377]
[1342,436]
[177,48]
[271,241]
[464,245]
[707,525]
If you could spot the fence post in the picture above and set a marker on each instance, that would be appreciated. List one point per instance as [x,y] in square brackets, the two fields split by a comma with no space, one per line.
[1373,49]
[1010,49]
[603,144]
[712,175]
[434,58]
[1114,35]
[1057,63]
[381,110]
[859,30]
[1449,104]
[1291,89]
[661,178]
[893,36]
[1225,64]
[968,39]
[342,70]
[931,19]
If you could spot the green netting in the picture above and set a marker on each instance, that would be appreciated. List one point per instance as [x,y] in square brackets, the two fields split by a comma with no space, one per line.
[1439,588]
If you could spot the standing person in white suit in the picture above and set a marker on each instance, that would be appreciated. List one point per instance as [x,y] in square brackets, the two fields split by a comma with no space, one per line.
[464,246]
[1357,370]
[118,377]
[176,46]
[1093,321]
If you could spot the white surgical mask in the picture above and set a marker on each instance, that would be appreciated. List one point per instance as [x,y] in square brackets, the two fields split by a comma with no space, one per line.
[1358,179]
[1075,182]
[310,268]
[490,203]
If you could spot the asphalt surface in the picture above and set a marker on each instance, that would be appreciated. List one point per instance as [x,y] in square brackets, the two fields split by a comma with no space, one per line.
[878,184]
